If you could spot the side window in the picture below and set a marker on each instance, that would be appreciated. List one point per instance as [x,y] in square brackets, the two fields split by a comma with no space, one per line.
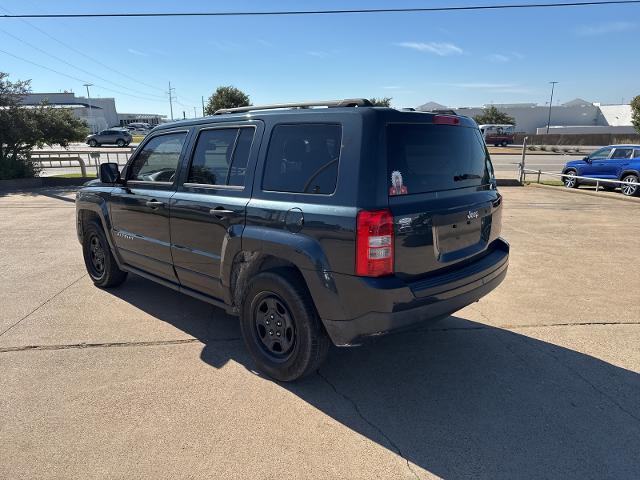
[622,153]
[636,153]
[221,156]
[600,154]
[158,160]
[303,158]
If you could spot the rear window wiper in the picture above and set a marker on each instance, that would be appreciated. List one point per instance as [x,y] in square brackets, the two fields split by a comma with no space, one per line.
[466,176]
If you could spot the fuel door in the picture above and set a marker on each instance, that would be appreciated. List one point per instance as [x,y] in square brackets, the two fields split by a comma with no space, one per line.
[294,220]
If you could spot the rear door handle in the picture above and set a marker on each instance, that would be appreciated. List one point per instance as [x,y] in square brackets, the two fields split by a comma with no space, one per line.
[220,212]
[154,204]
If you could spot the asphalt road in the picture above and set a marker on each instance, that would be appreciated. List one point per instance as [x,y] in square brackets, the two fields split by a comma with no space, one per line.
[540,379]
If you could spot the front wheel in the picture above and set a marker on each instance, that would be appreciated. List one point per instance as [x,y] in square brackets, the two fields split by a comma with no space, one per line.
[628,188]
[504,143]
[121,143]
[93,143]
[280,326]
[101,266]
[570,181]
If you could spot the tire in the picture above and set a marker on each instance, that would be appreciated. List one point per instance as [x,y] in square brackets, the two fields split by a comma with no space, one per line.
[280,296]
[630,190]
[496,144]
[568,181]
[504,143]
[93,143]
[120,142]
[98,259]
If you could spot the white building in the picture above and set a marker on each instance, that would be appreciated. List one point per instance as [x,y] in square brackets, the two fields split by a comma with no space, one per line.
[98,113]
[532,118]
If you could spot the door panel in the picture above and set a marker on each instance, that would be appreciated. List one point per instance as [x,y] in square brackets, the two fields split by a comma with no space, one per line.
[209,207]
[140,209]
[198,234]
[141,231]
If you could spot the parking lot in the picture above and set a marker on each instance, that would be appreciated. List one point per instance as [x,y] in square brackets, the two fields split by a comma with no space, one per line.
[540,379]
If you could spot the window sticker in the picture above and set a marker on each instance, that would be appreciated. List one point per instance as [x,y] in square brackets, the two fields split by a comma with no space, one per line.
[397,188]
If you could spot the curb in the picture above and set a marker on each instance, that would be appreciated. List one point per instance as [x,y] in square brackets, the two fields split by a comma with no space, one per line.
[608,195]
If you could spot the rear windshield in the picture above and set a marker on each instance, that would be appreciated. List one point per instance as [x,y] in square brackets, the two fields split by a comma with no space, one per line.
[425,158]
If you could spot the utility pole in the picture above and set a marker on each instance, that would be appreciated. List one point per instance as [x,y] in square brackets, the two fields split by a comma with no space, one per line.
[194,112]
[553,85]
[202,98]
[171,97]
[184,115]
[89,103]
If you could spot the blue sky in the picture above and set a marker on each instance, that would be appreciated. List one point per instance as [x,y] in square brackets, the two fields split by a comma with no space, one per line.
[456,58]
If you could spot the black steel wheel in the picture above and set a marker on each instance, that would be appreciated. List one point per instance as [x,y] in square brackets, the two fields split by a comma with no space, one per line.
[98,259]
[274,325]
[280,325]
[96,256]
[628,188]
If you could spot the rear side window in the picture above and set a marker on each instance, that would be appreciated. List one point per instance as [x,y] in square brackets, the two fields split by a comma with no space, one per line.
[221,156]
[622,153]
[636,153]
[158,159]
[303,158]
[425,158]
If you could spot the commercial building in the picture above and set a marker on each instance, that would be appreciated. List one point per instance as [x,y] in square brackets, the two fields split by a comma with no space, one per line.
[531,118]
[98,113]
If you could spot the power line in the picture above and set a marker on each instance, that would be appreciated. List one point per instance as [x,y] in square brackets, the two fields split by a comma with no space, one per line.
[325,12]
[89,57]
[76,67]
[75,78]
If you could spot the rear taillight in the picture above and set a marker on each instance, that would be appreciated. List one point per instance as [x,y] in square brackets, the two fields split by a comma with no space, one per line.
[374,244]
[446,120]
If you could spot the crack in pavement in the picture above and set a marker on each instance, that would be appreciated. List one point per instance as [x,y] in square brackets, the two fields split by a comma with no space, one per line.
[393,445]
[43,303]
[153,343]
[581,377]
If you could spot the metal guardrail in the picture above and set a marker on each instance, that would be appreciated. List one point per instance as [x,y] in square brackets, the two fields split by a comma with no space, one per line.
[597,181]
[84,159]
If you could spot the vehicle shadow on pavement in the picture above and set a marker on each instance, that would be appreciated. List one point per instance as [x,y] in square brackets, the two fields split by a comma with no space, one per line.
[458,398]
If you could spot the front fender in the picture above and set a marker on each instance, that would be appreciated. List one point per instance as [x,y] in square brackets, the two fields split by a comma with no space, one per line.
[95,200]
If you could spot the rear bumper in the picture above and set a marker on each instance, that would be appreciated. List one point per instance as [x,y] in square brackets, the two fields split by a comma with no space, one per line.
[398,305]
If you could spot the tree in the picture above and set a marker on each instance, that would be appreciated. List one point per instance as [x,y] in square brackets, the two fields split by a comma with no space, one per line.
[492,115]
[226,97]
[635,113]
[381,102]
[23,128]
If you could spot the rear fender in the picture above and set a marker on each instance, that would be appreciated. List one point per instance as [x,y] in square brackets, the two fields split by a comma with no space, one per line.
[299,250]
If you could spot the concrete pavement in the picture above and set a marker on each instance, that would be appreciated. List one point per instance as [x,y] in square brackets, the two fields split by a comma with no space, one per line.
[540,379]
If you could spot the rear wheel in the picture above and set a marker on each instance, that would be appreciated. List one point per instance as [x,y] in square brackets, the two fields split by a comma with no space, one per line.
[120,142]
[504,143]
[93,143]
[280,326]
[628,188]
[570,181]
[100,263]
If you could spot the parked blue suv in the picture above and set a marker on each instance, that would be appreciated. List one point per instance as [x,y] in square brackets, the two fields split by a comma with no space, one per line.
[615,162]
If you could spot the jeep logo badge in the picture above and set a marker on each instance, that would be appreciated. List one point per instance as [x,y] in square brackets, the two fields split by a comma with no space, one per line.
[471,215]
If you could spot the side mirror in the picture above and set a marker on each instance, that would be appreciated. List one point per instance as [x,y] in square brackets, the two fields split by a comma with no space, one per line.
[109,173]
[587,159]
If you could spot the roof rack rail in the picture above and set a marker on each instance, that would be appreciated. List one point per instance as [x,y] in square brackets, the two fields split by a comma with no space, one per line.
[350,102]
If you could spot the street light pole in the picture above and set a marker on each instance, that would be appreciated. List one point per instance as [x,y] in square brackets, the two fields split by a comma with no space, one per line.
[89,103]
[553,84]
